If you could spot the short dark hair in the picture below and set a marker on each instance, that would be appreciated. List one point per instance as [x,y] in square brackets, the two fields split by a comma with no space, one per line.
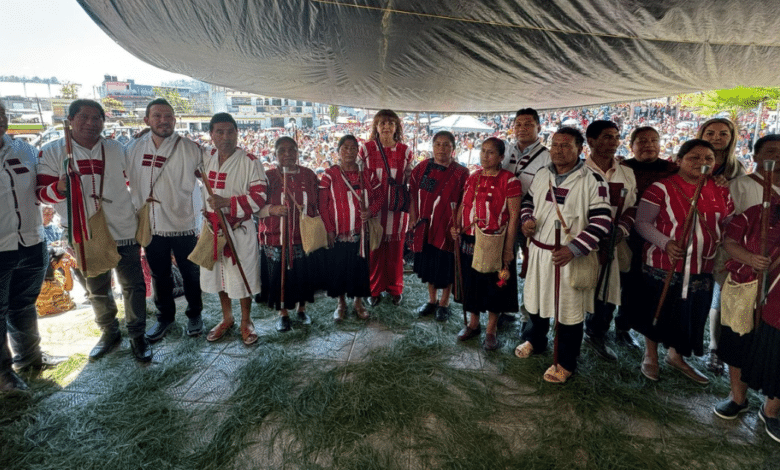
[691,144]
[155,101]
[284,138]
[344,139]
[579,140]
[767,138]
[528,112]
[595,128]
[638,131]
[76,106]
[449,135]
[222,117]
[500,145]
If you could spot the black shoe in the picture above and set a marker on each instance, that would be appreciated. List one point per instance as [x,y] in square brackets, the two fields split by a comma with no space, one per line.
[426,309]
[304,319]
[283,324]
[625,339]
[108,341]
[728,409]
[442,314]
[597,345]
[504,319]
[772,424]
[194,326]
[373,301]
[142,350]
[158,330]
[46,361]
[397,299]
[10,382]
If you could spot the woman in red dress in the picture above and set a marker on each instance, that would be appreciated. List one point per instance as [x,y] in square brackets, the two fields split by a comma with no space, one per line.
[391,161]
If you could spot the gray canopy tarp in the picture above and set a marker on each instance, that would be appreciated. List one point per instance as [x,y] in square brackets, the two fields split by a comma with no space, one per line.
[454,55]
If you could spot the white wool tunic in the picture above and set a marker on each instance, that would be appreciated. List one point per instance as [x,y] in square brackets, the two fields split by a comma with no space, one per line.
[583,202]
[117,204]
[172,172]
[242,179]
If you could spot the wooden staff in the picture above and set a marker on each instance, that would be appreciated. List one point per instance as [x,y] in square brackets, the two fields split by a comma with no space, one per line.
[687,229]
[365,237]
[285,235]
[763,285]
[605,271]
[71,172]
[557,294]
[224,226]
[457,285]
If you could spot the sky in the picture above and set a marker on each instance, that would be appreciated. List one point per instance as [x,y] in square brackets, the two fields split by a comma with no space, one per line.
[56,38]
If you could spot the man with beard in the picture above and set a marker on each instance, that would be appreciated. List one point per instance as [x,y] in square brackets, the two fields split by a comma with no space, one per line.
[161,168]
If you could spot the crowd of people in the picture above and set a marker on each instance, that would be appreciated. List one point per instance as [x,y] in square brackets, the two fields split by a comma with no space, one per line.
[657,245]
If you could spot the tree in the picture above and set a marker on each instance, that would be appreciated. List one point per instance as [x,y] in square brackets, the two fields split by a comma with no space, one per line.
[179,104]
[70,91]
[112,104]
[734,101]
[333,113]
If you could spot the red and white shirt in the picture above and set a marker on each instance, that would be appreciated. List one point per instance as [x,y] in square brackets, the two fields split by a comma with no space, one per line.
[485,201]
[400,162]
[673,197]
[303,185]
[339,207]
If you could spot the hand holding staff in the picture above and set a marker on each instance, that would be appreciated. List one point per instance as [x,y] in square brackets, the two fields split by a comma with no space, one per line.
[761,294]
[557,294]
[226,230]
[603,283]
[686,235]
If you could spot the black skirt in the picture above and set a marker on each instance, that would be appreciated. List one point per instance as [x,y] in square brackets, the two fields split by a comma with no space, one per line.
[761,370]
[481,292]
[734,349]
[435,266]
[297,284]
[347,273]
[681,323]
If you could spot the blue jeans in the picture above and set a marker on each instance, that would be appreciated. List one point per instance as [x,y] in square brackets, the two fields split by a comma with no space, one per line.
[21,277]
[131,278]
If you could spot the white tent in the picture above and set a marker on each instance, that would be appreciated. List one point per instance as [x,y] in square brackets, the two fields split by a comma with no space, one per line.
[460,123]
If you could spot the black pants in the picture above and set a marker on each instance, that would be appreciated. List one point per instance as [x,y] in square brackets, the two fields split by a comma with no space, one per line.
[158,255]
[569,340]
[597,323]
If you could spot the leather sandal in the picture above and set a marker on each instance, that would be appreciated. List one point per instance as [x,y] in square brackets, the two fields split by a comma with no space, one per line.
[340,313]
[688,371]
[361,312]
[556,376]
[248,335]
[524,350]
[219,331]
[649,370]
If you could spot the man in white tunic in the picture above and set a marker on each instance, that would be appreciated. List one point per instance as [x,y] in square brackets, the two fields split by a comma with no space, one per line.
[98,181]
[239,186]
[161,169]
[603,139]
[564,190]
[524,157]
